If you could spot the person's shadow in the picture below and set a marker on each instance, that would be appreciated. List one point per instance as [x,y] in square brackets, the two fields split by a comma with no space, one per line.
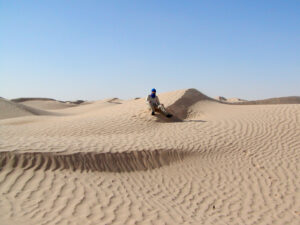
[174,119]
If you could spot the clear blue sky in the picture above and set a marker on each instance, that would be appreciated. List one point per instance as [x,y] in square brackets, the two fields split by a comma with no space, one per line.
[98,49]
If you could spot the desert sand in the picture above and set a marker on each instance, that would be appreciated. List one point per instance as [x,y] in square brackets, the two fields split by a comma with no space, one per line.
[111,162]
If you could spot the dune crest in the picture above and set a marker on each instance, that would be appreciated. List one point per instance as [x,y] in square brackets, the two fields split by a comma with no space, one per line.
[179,102]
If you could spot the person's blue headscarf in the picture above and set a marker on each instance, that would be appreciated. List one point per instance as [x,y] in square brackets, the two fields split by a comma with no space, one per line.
[153,94]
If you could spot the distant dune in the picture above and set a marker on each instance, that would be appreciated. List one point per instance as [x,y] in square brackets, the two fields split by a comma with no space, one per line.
[229,100]
[112,162]
[47,103]
[9,109]
[281,100]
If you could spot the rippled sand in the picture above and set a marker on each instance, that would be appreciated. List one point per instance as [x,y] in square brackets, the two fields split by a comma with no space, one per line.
[111,162]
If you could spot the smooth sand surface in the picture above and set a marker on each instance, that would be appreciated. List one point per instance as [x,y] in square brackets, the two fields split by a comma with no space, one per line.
[47,105]
[111,162]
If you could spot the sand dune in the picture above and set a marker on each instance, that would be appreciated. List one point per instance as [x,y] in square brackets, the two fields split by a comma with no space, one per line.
[178,102]
[229,100]
[281,100]
[9,109]
[111,162]
[46,103]
[269,101]
[20,100]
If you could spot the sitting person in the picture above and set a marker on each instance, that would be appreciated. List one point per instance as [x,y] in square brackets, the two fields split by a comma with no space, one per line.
[155,105]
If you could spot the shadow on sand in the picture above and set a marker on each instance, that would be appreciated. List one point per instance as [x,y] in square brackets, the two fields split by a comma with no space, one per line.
[174,119]
[199,121]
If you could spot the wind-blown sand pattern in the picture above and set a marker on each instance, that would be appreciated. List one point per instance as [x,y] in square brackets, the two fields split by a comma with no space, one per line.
[111,162]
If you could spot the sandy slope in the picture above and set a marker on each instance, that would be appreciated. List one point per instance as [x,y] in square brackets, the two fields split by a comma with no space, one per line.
[110,162]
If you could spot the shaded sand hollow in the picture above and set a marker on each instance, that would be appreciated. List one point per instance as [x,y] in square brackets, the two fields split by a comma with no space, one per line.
[111,162]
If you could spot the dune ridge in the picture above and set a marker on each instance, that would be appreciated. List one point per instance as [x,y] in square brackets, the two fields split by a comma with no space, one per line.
[91,161]
[32,99]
